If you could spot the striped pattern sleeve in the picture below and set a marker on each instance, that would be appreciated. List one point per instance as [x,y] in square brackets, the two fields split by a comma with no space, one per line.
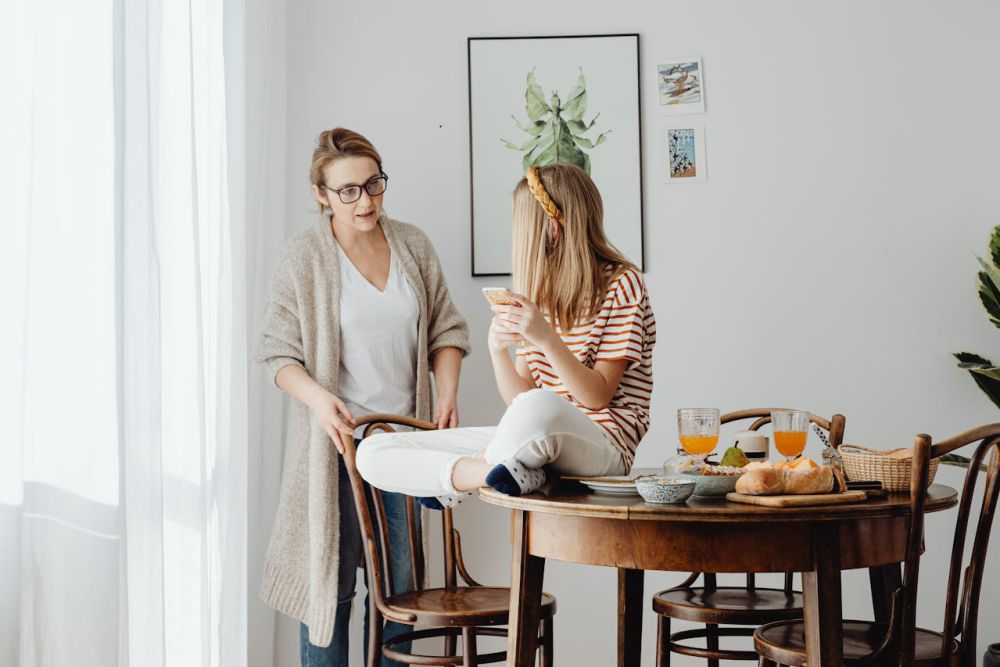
[624,333]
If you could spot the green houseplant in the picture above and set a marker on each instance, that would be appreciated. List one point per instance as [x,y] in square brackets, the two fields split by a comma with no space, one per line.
[984,372]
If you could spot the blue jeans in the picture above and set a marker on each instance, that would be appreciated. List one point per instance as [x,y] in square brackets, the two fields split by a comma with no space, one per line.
[351,558]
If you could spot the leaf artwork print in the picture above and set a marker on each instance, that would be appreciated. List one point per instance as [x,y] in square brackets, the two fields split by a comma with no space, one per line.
[555,129]
[683,162]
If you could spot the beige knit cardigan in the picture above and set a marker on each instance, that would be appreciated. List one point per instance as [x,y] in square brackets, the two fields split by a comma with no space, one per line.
[301,325]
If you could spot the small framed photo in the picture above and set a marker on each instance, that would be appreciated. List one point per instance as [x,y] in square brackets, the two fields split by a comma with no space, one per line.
[680,85]
[682,147]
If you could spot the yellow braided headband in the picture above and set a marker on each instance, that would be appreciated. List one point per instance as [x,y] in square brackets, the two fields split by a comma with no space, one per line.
[538,190]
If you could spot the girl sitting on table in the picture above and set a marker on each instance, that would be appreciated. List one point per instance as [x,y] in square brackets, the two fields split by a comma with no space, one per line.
[578,390]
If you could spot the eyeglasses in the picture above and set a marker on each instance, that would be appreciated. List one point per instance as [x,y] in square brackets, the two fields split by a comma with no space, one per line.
[352,193]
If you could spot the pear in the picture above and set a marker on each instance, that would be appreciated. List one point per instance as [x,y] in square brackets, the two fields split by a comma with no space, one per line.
[734,456]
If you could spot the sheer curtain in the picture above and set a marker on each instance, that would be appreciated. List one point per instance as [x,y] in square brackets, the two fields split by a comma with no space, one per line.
[123,414]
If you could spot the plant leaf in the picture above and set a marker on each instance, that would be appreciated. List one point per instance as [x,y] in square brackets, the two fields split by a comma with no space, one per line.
[534,129]
[984,373]
[970,360]
[959,461]
[534,99]
[576,101]
[993,372]
[526,146]
[995,245]
[587,143]
[578,127]
[989,294]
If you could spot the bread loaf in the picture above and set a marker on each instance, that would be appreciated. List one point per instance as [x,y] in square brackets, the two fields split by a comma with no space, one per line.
[809,480]
[801,476]
[761,482]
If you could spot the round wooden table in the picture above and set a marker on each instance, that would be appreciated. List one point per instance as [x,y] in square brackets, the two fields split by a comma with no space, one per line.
[710,535]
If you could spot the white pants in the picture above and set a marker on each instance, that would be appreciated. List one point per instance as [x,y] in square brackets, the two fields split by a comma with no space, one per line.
[539,428]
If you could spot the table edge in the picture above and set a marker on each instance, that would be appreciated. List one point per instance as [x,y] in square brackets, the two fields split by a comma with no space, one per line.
[685,513]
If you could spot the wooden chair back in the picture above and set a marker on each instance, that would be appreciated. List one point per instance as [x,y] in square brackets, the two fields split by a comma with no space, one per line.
[370,506]
[762,416]
[965,576]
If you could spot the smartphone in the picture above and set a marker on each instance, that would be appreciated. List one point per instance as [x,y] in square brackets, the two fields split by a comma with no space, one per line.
[499,296]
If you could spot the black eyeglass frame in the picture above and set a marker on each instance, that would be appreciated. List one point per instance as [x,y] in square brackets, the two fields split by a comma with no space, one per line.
[381,177]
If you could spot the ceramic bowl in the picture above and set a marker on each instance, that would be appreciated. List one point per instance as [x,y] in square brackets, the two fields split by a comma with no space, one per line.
[665,489]
[712,486]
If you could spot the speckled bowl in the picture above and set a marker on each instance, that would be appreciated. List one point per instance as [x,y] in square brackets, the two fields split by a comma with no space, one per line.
[712,486]
[665,489]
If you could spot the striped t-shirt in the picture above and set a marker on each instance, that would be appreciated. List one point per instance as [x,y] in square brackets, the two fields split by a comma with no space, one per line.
[623,329]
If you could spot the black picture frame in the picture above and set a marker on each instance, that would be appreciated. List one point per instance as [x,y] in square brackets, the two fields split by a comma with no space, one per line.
[622,232]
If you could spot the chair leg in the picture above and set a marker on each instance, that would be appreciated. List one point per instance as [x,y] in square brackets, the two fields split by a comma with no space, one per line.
[450,645]
[469,655]
[663,641]
[374,637]
[764,662]
[712,642]
[547,642]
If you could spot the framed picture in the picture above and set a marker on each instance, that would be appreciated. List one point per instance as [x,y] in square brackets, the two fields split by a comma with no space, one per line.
[682,151]
[680,85]
[538,100]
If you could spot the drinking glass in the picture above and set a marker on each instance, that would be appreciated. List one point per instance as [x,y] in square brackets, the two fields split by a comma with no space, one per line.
[791,429]
[698,429]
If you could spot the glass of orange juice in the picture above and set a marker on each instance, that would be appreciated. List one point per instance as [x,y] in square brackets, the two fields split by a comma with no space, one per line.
[698,429]
[791,429]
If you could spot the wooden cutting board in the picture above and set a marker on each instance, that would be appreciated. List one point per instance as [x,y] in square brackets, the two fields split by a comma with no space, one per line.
[799,500]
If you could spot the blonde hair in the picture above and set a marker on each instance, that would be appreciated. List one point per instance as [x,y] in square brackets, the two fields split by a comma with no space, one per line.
[335,144]
[568,275]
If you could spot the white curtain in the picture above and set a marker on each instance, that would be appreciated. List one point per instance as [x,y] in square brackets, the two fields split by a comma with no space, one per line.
[123,418]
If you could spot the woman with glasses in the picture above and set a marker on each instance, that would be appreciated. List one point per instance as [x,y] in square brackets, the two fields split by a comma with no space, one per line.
[358,317]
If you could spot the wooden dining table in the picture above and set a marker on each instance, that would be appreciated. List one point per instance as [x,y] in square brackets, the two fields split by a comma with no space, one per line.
[569,523]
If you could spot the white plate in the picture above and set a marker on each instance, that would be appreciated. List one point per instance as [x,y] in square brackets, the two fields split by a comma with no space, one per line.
[615,485]
[612,486]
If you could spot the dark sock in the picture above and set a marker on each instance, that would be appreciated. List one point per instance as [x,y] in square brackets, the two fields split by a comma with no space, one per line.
[499,478]
[430,502]
[513,478]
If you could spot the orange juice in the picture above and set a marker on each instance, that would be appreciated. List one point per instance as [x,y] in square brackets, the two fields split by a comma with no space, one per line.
[790,443]
[699,444]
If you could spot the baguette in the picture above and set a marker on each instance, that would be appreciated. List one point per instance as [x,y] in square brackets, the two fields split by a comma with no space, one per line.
[809,480]
[761,482]
[802,476]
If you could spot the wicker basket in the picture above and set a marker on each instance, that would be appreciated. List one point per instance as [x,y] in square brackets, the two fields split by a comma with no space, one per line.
[872,464]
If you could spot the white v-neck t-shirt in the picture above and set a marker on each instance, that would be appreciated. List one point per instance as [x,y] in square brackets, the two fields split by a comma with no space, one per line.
[378,342]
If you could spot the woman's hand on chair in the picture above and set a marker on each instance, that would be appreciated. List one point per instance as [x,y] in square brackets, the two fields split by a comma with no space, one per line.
[334,417]
[446,411]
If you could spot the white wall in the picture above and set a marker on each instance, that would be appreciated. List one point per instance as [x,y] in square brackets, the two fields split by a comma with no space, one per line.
[879,125]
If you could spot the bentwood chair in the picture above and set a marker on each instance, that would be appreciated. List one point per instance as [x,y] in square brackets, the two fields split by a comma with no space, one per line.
[899,641]
[450,611]
[740,608]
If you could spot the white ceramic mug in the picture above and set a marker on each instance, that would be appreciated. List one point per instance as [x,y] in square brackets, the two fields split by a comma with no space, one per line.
[754,444]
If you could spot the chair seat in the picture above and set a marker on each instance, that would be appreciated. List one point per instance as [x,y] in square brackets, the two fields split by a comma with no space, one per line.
[729,606]
[465,606]
[784,642]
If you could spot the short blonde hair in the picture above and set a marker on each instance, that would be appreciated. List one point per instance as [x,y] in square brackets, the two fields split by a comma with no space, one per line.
[567,276]
[335,144]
